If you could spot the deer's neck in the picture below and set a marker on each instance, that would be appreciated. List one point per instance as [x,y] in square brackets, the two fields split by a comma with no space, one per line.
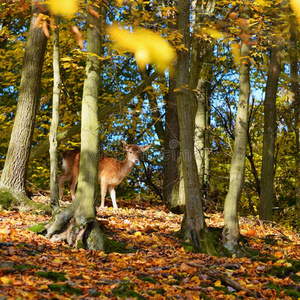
[126,166]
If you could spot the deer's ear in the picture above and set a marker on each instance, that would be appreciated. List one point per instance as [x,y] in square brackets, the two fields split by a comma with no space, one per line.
[124,144]
[145,148]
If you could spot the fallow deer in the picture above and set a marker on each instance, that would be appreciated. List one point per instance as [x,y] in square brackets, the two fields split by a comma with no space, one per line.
[111,171]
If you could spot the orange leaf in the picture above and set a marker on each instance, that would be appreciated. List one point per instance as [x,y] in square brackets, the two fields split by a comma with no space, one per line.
[45,28]
[188,269]
[251,231]
[75,30]
[94,13]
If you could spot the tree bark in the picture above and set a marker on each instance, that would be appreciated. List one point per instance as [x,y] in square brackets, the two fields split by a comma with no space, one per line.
[200,52]
[193,225]
[296,103]
[55,119]
[237,169]
[202,121]
[270,130]
[16,163]
[77,223]
[171,151]
[171,176]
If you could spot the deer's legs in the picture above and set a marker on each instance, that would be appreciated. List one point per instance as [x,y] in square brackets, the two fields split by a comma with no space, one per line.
[103,193]
[112,193]
[72,186]
[61,180]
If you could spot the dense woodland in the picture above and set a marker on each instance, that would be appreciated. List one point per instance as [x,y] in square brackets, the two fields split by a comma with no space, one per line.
[212,86]
[209,92]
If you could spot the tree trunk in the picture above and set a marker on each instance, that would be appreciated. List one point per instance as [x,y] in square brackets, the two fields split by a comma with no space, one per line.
[77,223]
[237,169]
[171,151]
[296,104]
[171,177]
[202,119]
[270,129]
[193,225]
[55,119]
[202,134]
[200,51]
[16,163]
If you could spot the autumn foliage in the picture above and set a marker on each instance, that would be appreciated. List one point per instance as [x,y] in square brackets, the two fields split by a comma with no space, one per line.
[146,262]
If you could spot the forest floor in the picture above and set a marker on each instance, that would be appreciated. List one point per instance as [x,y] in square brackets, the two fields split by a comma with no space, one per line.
[156,265]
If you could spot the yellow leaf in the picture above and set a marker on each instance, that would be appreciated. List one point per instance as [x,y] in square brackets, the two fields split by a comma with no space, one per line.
[235,49]
[218,283]
[287,265]
[280,261]
[260,2]
[138,233]
[43,287]
[196,280]
[212,32]
[6,280]
[296,7]
[147,46]
[67,8]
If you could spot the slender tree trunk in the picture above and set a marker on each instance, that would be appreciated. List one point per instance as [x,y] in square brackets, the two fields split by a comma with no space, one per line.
[270,129]
[296,103]
[55,119]
[202,134]
[171,178]
[171,149]
[237,168]
[16,163]
[77,223]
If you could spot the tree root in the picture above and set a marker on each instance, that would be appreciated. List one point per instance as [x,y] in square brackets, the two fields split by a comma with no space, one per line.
[84,234]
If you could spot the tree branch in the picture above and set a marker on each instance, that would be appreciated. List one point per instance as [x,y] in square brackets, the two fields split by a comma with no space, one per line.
[103,112]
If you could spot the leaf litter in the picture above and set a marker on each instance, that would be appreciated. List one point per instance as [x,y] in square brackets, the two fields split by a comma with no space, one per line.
[155,264]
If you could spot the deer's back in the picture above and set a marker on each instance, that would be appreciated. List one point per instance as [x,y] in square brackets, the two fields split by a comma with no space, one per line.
[111,171]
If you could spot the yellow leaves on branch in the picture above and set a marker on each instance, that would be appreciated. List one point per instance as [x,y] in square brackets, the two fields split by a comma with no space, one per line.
[295,4]
[65,8]
[216,34]
[235,49]
[147,46]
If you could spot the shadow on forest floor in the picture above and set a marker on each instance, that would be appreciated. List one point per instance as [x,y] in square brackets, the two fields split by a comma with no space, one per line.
[154,264]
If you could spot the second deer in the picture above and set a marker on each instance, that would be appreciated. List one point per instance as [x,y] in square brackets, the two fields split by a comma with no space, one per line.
[111,171]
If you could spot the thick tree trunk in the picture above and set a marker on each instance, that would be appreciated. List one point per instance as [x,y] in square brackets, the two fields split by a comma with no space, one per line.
[200,52]
[16,163]
[270,130]
[193,225]
[237,169]
[55,119]
[77,224]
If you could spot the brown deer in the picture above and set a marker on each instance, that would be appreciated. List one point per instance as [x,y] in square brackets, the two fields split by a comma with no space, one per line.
[111,171]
